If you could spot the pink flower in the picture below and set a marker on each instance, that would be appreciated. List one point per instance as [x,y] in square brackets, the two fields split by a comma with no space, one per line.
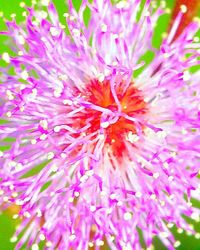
[98,154]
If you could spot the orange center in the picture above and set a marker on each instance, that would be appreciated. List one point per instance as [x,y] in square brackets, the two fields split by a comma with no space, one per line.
[132,104]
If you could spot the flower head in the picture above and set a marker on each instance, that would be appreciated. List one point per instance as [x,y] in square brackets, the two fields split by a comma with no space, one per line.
[98,153]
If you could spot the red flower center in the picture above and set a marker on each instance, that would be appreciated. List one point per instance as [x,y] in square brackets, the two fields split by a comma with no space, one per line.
[131,102]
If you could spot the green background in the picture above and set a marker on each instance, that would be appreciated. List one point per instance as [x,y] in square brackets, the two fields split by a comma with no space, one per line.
[8,7]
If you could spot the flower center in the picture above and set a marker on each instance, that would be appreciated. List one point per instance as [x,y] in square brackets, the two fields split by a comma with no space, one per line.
[122,107]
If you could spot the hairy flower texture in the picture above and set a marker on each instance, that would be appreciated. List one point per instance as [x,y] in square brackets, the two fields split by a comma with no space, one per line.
[93,155]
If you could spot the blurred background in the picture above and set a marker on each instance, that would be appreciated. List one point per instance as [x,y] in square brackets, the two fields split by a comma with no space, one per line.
[11,8]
